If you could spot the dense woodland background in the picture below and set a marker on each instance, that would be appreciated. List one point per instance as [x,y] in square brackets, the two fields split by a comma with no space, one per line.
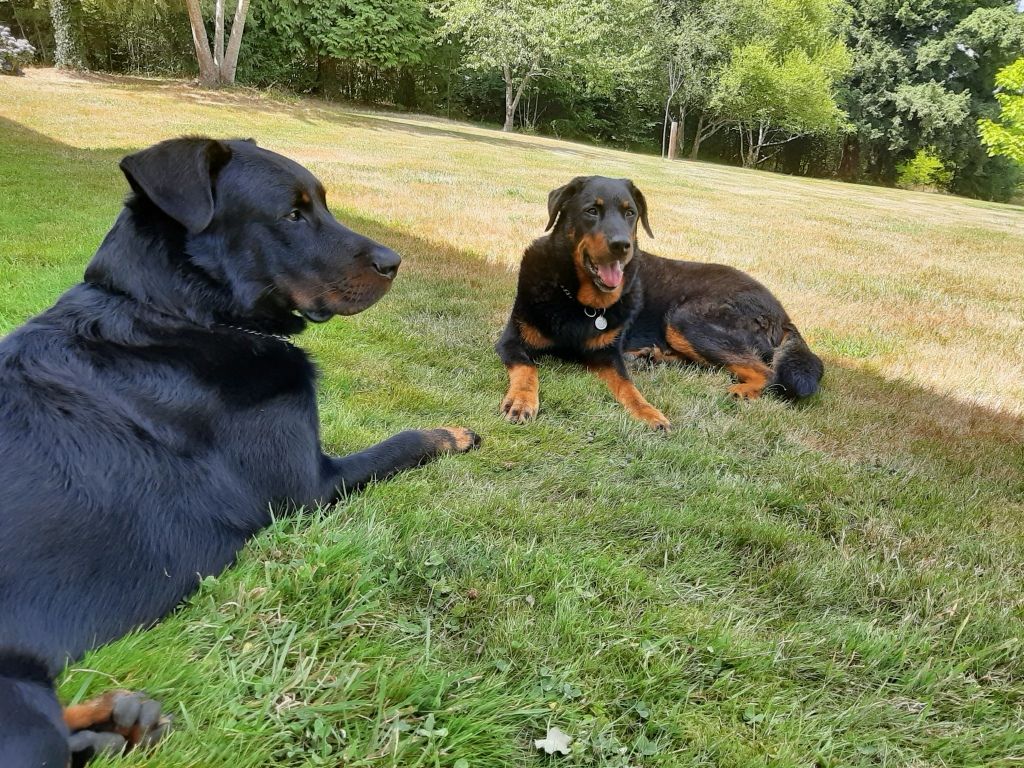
[877,91]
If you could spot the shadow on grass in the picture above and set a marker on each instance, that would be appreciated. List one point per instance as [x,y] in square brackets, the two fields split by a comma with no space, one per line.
[860,416]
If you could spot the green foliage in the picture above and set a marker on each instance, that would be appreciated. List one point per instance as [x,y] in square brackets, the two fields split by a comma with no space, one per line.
[1005,137]
[923,171]
[385,34]
[137,36]
[923,73]
[355,49]
[581,41]
[780,82]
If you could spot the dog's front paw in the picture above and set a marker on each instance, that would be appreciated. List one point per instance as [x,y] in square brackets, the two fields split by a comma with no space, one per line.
[455,439]
[520,406]
[113,723]
[655,419]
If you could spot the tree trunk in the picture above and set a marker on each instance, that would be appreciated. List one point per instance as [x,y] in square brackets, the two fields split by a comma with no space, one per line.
[227,70]
[698,137]
[664,128]
[218,34]
[68,53]
[208,75]
[513,94]
[682,128]
[218,67]
[510,102]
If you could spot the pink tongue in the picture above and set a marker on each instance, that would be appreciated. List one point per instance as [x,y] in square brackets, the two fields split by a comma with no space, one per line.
[610,274]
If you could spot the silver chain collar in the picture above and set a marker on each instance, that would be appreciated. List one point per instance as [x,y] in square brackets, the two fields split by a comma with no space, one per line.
[597,315]
[251,332]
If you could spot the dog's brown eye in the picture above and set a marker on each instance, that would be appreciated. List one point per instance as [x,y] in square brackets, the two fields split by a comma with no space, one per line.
[592,211]
[295,215]
[630,212]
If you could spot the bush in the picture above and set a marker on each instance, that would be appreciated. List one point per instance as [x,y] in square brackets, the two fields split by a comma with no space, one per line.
[14,52]
[924,171]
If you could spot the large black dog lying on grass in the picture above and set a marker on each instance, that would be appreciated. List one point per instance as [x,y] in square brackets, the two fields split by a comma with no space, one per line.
[153,416]
[587,293]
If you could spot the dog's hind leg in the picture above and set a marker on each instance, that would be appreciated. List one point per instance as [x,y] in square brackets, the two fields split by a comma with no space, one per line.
[709,343]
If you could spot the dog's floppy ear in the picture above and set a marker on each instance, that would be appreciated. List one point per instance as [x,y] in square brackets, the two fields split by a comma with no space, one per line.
[641,204]
[177,176]
[557,198]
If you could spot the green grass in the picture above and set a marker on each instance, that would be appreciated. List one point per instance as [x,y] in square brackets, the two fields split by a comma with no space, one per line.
[837,584]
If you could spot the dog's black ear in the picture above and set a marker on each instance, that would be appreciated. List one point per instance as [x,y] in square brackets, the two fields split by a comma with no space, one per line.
[557,198]
[177,176]
[641,204]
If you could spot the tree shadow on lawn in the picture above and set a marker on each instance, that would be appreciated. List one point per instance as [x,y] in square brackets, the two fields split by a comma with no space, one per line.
[859,417]
[317,109]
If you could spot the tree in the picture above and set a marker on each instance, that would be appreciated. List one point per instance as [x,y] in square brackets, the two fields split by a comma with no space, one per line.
[217,67]
[1005,137]
[68,44]
[781,83]
[697,40]
[527,39]
[922,75]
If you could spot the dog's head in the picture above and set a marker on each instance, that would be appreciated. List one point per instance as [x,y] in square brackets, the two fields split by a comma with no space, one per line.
[257,224]
[599,216]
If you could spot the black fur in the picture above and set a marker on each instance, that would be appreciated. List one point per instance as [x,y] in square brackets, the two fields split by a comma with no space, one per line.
[671,310]
[148,422]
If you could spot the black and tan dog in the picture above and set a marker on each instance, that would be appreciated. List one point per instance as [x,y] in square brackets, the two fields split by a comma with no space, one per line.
[588,294]
[156,415]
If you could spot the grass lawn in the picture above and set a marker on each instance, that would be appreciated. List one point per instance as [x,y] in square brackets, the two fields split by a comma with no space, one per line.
[836,584]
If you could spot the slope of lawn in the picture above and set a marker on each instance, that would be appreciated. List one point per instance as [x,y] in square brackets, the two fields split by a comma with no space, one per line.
[836,584]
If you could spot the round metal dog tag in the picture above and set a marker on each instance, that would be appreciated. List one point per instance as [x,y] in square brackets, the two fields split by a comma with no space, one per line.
[600,323]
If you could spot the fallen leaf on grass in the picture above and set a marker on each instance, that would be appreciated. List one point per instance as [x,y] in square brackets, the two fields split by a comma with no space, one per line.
[555,741]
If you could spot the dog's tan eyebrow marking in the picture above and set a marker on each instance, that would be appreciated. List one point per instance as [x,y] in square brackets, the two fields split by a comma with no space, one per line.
[305,198]
[599,201]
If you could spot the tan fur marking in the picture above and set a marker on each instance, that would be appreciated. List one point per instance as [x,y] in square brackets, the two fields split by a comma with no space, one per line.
[629,396]
[461,439]
[682,345]
[656,354]
[534,337]
[522,401]
[752,375]
[588,295]
[603,340]
[83,716]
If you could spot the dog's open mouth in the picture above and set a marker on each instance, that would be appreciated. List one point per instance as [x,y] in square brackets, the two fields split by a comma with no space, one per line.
[607,277]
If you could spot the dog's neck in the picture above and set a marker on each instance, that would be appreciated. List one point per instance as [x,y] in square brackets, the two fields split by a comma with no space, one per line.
[151,260]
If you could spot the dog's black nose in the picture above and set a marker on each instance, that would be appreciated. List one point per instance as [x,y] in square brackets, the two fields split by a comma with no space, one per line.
[620,245]
[385,261]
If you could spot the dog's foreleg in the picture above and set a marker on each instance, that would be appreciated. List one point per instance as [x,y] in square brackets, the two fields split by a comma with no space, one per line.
[405,450]
[522,400]
[613,373]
